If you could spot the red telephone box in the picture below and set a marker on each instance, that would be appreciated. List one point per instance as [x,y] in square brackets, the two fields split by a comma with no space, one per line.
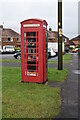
[34,51]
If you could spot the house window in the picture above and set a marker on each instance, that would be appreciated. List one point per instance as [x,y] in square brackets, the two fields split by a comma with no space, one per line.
[9,39]
[0,39]
[18,40]
[65,40]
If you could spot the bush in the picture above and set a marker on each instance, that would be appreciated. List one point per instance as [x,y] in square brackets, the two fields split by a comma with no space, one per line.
[16,49]
[71,49]
[79,51]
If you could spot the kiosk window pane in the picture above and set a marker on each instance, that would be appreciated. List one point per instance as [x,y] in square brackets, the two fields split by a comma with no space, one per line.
[31,58]
[24,34]
[31,40]
[31,53]
[31,33]
[37,33]
[31,50]
[46,49]
[31,73]
[37,39]
[31,45]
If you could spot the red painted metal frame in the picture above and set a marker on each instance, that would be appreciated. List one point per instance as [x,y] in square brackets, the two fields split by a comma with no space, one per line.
[42,74]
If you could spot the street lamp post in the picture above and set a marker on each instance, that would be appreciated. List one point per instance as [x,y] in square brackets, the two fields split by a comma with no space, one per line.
[60,63]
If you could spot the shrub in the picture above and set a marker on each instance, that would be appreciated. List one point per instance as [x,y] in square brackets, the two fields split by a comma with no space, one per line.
[79,51]
[17,48]
[70,49]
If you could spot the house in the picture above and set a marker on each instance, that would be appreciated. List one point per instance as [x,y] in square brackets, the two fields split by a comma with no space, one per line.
[71,44]
[75,41]
[53,37]
[9,37]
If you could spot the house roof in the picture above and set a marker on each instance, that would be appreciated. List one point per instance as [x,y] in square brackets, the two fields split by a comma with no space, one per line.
[8,33]
[54,34]
[76,38]
[71,42]
[0,32]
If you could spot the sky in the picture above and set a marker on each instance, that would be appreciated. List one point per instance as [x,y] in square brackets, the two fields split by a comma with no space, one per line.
[12,12]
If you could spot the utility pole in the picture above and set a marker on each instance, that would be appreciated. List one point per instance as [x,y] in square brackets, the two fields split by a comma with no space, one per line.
[60,62]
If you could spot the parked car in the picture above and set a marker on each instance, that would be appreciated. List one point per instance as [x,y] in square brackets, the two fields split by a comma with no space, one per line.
[17,55]
[1,50]
[49,54]
[75,50]
[66,49]
[8,49]
[52,52]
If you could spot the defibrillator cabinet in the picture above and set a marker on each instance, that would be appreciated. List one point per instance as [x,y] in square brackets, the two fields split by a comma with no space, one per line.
[34,51]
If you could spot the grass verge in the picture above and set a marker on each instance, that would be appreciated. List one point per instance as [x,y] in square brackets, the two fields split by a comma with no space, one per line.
[10,61]
[27,100]
[56,75]
[56,61]
[66,59]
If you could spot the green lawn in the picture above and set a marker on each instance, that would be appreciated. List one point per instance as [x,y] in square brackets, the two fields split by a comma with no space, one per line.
[56,61]
[56,75]
[9,61]
[27,100]
[66,59]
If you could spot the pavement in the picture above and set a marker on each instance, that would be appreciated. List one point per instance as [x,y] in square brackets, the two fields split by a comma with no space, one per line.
[69,91]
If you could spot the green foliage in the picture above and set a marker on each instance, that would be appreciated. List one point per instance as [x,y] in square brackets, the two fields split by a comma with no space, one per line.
[79,51]
[17,48]
[70,49]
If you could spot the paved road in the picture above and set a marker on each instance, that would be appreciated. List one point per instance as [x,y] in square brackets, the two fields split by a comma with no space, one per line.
[11,57]
[70,90]
[7,56]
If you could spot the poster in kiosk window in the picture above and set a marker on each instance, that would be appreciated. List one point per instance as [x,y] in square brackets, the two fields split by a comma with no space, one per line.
[34,51]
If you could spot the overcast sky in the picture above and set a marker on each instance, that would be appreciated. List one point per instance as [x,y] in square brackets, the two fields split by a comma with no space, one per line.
[12,12]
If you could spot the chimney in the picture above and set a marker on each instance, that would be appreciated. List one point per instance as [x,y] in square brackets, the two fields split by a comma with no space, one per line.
[1,26]
[50,29]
